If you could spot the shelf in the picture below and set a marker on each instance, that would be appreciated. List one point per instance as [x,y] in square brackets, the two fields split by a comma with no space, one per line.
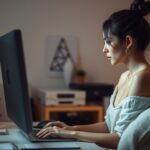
[45,112]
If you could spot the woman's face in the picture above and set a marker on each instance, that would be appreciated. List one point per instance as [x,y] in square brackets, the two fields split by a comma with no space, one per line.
[114,50]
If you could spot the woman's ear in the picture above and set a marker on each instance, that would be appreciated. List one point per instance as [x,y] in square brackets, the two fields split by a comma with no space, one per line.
[129,41]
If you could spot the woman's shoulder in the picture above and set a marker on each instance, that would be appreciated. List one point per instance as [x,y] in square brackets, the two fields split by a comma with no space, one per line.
[140,84]
[142,77]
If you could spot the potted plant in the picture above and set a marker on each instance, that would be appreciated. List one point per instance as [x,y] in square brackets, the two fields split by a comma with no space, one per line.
[80,76]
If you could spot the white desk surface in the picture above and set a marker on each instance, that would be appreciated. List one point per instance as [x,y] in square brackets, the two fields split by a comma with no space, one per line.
[15,136]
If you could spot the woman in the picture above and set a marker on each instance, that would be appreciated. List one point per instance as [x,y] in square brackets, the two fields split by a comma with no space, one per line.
[126,35]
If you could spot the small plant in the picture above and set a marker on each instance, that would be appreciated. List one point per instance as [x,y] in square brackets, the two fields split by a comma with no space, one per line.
[80,76]
[80,72]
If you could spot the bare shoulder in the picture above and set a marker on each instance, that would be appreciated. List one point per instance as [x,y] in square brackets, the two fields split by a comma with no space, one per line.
[140,84]
[142,77]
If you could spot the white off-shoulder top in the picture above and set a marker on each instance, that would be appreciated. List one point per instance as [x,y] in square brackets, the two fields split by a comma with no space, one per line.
[118,118]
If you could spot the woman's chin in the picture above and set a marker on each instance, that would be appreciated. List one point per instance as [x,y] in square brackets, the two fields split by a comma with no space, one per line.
[113,63]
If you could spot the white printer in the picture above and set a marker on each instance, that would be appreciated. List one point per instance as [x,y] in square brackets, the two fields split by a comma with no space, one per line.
[61,97]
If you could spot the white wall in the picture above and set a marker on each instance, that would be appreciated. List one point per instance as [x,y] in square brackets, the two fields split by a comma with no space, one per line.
[82,18]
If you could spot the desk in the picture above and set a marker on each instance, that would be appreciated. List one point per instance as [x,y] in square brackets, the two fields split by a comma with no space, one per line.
[21,141]
[44,112]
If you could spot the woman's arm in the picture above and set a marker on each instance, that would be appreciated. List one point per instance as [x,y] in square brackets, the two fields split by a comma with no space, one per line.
[100,127]
[109,140]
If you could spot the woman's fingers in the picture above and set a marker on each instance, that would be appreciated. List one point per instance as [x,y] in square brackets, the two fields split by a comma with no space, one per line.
[42,132]
[49,134]
[55,123]
[50,131]
[48,125]
[56,130]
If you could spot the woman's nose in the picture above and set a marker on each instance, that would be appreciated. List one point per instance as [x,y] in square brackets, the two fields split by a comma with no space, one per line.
[105,50]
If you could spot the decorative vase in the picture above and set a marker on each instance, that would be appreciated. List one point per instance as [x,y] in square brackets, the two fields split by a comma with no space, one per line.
[68,70]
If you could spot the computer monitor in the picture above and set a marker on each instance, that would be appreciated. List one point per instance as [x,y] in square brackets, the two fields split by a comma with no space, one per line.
[15,80]
[16,89]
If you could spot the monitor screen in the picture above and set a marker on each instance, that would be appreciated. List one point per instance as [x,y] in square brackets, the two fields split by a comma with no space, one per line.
[15,80]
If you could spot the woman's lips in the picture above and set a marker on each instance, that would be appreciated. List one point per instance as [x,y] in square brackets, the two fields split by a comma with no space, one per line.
[108,58]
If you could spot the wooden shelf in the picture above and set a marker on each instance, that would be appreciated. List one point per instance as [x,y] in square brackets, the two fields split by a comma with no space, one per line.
[44,112]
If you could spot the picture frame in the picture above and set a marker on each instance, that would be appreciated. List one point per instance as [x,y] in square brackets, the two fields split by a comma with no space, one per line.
[58,50]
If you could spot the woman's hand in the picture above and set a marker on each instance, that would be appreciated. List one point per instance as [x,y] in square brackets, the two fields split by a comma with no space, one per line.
[56,132]
[58,124]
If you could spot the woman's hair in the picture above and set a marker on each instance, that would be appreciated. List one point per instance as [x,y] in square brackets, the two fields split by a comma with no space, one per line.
[130,22]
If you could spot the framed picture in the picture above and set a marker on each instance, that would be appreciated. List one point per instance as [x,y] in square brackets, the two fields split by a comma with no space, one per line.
[59,49]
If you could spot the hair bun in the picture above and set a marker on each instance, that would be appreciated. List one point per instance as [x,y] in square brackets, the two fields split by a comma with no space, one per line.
[141,7]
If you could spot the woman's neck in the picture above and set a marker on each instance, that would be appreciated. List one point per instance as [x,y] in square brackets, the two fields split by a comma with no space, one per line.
[137,63]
